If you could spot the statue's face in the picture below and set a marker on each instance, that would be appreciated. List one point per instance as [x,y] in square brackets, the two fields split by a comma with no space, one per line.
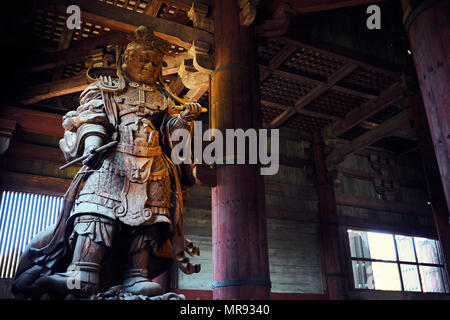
[142,64]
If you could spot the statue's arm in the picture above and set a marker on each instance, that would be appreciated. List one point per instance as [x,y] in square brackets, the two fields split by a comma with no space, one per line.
[184,120]
[86,128]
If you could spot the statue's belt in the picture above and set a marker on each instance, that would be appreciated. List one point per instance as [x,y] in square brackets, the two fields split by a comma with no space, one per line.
[141,151]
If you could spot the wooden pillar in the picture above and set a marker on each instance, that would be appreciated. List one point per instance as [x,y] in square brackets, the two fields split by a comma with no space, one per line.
[433,179]
[428,27]
[239,235]
[336,280]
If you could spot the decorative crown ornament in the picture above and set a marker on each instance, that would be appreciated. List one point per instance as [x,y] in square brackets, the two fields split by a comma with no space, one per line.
[145,37]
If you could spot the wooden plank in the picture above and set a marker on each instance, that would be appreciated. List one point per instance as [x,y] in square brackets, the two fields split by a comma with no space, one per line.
[402,227]
[23,182]
[365,111]
[153,8]
[383,130]
[305,6]
[19,150]
[34,121]
[54,89]
[127,21]
[382,205]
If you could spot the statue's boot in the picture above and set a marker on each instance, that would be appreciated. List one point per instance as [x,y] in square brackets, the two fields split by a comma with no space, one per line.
[82,276]
[136,279]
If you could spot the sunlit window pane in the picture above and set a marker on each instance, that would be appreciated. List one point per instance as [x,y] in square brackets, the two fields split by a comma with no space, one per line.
[362,274]
[381,246]
[405,248]
[359,244]
[386,277]
[432,279]
[403,262]
[426,250]
[22,216]
[410,276]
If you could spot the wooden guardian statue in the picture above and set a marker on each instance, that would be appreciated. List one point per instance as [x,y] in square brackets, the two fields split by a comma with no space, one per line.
[122,221]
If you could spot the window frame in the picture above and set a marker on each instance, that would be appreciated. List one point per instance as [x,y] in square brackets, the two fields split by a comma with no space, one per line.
[349,259]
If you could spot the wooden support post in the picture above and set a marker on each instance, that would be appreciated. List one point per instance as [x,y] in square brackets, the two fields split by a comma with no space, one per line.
[336,282]
[434,184]
[428,27]
[239,235]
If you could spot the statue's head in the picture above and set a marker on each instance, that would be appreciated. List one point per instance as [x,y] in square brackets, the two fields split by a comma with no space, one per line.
[142,60]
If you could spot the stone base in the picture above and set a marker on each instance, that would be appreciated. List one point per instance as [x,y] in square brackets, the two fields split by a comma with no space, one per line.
[116,293]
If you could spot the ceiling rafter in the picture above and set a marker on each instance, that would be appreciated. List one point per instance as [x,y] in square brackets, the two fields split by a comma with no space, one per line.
[314,93]
[383,130]
[365,111]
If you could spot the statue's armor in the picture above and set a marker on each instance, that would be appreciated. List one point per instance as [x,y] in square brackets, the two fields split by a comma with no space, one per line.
[133,184]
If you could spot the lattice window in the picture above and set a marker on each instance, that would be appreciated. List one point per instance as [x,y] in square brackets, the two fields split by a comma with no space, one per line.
[310,63]
[22,216]
[385,261]
[335,103]
[307,123]
[283,90]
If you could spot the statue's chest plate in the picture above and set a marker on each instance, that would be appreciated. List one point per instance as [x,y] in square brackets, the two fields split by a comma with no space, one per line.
[142,96]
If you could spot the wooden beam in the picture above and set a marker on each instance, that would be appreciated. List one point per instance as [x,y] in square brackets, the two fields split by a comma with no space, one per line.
[34,121]
[278,60]
[305,6]
[383,205]
[383,130]
[314,93]
[302,111]
[314,82]
[333,263]
[77,52]
[127,21]
[24,182]
[53,89]
[365,111]
[153,8]
[19,150]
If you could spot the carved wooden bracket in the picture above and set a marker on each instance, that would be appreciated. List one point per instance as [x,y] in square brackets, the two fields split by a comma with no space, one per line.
[249,9]
[199,19]
[278,24]
[195,69]
[384,184]
[335,176]
[7,128]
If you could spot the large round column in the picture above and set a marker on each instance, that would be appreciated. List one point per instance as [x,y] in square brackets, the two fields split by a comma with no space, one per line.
[428,27]
[239,235]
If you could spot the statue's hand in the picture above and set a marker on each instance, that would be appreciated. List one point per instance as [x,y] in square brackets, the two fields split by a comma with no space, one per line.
[94,160]
[191,111]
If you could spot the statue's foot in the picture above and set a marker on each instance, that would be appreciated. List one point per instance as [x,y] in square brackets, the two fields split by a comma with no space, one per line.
[136,284]
[81,282]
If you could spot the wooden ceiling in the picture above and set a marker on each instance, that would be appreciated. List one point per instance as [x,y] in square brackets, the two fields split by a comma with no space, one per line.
[302,87]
